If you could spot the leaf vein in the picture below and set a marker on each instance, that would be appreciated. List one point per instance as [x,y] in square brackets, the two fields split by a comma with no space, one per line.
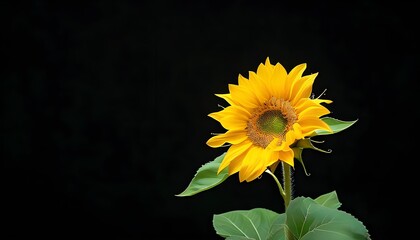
[236,227]
[256,230]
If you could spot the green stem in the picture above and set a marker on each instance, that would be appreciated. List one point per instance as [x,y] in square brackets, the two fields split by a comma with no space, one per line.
[287,181]
[282,193]
[287,192]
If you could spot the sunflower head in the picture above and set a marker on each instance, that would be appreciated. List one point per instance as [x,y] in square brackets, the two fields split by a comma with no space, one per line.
[268,113]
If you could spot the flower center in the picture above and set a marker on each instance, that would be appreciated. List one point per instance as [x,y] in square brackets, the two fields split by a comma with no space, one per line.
[272,122]
[273,119]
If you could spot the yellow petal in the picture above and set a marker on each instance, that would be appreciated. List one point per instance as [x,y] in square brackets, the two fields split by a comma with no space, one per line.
[315,111]
[232,137]
[254,87]
[259,88]
[256,173]
[294,75]
[235,164]
[287,157]
[268,64]
[311,124]
[243,97]
[302,88]
[233,123]
[273,158]
[278,82]
[260,165]
[231,111]
[217,115]
[297,130]
[232,117]
[288,140]
[233,152]
[242,81]
[227,97]
[303,104]
[274,145]
[267,159]
[249,162]
[239,111]
[297,72]
[317,100]
[263,72]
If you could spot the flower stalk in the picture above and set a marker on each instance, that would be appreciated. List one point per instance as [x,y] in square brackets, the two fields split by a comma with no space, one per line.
[287,181]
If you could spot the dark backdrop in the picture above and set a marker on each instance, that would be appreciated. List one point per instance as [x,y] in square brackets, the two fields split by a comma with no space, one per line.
[105,107]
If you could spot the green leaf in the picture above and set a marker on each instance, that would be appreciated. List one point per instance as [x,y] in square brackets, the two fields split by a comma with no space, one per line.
[278,228]
[329,200]
[307,219]
[206,177]
[257,223]
[306,143]
[335,125]
[298,155]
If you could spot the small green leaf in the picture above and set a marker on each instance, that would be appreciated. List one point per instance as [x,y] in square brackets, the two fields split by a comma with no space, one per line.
[257,223]
[206,177]
[306,143]
[329,200]
[335,125]
[309,220]
[298,155]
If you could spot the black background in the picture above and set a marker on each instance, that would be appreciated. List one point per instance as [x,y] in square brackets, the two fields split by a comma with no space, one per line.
[105,107]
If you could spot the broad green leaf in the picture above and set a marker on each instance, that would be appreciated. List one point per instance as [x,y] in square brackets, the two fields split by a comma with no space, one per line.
[206,177]
[329,200]
[278,228]
[257,223]
[335,125]
[308,220]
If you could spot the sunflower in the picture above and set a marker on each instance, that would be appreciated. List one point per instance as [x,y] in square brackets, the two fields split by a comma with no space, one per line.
[268,113]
